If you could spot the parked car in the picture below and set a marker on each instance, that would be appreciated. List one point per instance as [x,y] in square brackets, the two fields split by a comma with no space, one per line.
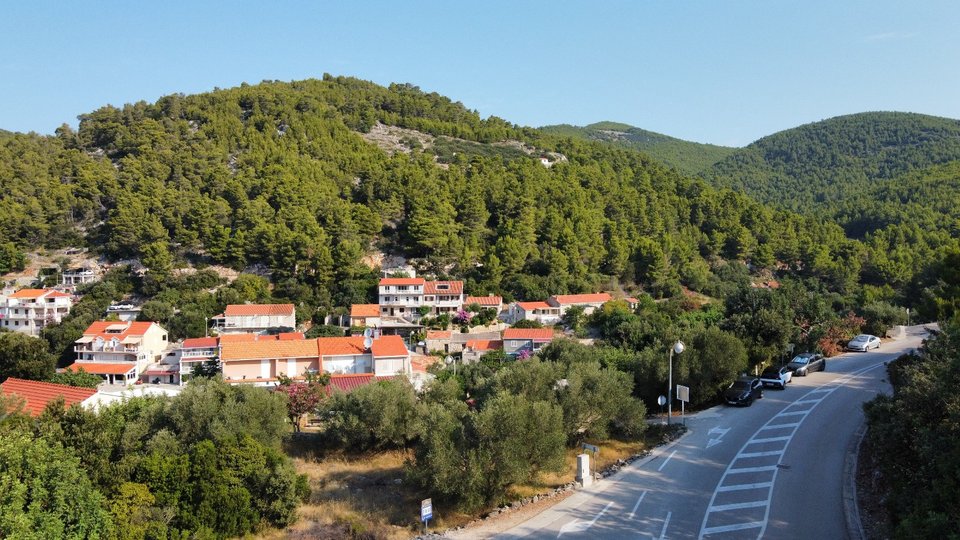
[743,391]
[863,343]
[776,376]
[807,363]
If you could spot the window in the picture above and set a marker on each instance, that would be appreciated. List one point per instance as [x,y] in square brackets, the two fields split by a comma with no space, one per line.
[442,286]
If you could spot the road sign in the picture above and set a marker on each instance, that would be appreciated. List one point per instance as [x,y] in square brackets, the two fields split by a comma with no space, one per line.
[683,393]
[590,447]
[426,509]
[662,400]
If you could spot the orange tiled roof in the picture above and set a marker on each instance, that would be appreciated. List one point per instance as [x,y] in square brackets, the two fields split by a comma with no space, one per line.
[290,336]
[530,306]
[536,334]
[402,281]
[567,299]
[136,328]
[389,346]
[36,394]
[241,310]
[453,287]
[484,300]
[200,342]
[438,334]
[365,310]
[263,350]
[37,293]
[103,368]
[340,346]
[484,344]
[347,383]
[631,300]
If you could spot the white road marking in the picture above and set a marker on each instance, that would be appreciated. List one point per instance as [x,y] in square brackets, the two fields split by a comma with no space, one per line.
[792,413]
[760,454]
[663,532]
[720,432]
[580,526]
[640,500]
[662,465]
[825,390]
[744,487]
[737,506]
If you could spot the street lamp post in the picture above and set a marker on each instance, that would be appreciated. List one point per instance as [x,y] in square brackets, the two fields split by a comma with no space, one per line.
[677,348]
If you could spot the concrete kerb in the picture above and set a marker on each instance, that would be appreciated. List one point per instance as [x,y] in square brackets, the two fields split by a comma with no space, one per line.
[851,509]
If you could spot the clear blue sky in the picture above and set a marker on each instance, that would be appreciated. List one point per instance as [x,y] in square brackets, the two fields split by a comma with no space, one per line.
[724,72]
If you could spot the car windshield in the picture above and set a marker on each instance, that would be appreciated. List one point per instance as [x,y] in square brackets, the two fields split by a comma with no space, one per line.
[771,372]
[800,360]
[740,385]
[861,337]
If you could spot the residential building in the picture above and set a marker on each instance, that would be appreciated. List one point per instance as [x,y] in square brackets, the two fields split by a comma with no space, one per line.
[474,349]
[124,312]
[195,351]
[404,297]
[119,351]
[264,360]
[255,318]
[72,277]
[29,310]
[35,395]
[437,340]
[495,302]
[540,312]
[589,302]
[516,341]
[365,315]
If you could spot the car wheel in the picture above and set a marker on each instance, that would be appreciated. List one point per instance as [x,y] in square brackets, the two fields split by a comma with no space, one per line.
[749,402]
[823,366]
[760,395]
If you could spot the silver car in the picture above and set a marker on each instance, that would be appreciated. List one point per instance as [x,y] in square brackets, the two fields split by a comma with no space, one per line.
[863,343]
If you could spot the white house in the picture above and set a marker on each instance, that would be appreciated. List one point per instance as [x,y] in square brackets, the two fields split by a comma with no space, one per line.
[589,302]
[541,312]
[29,310]
[242,318]
[404,297]
[119,351]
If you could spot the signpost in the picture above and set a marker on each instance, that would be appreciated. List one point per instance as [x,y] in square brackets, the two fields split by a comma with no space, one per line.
[662,400]
[426,513]
[683,394]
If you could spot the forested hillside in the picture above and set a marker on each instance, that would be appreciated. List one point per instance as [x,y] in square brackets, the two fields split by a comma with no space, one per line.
[277,174]
[890,179]
[688,157]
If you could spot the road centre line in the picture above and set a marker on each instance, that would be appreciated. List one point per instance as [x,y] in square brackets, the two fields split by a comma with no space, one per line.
[744,487]
[663,531]
[640,500]
[662,465]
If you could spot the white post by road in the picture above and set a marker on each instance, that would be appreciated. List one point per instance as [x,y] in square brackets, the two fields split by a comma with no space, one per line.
[583,470]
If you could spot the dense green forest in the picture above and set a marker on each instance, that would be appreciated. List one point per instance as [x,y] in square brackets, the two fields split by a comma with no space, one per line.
[277,175]
[688,157]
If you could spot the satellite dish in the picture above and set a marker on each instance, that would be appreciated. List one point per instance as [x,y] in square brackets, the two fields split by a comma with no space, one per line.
[368,332]
[367,342]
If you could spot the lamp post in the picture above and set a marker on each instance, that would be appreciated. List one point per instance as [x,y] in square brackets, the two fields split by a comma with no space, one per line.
[677,348]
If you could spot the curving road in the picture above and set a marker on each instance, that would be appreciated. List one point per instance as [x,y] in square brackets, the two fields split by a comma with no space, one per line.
[773,470]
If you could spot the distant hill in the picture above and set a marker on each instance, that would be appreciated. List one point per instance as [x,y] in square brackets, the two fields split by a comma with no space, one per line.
[688,157]
[835,160]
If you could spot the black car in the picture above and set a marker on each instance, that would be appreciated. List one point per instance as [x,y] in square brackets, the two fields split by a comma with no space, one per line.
[743,391]
[807,363]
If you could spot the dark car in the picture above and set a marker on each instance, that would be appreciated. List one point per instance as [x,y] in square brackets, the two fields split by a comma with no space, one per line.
[743,391]
[776,376]
[807,363]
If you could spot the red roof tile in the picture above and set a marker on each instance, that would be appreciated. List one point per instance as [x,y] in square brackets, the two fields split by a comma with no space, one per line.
[341,346]
[484,300]
[103,368]
[365,310]
[136,328]
[290,336]
[347,383]
[238,338]
[389,346]
[452,287]
[530,306]
[263,350]
[536,334]
[36,394]
[568,299]
[241,310]
[484,344]
[199,343]
[401,281]
[438,334]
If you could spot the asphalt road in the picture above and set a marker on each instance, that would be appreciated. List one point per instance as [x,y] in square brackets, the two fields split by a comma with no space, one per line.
[773,470]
